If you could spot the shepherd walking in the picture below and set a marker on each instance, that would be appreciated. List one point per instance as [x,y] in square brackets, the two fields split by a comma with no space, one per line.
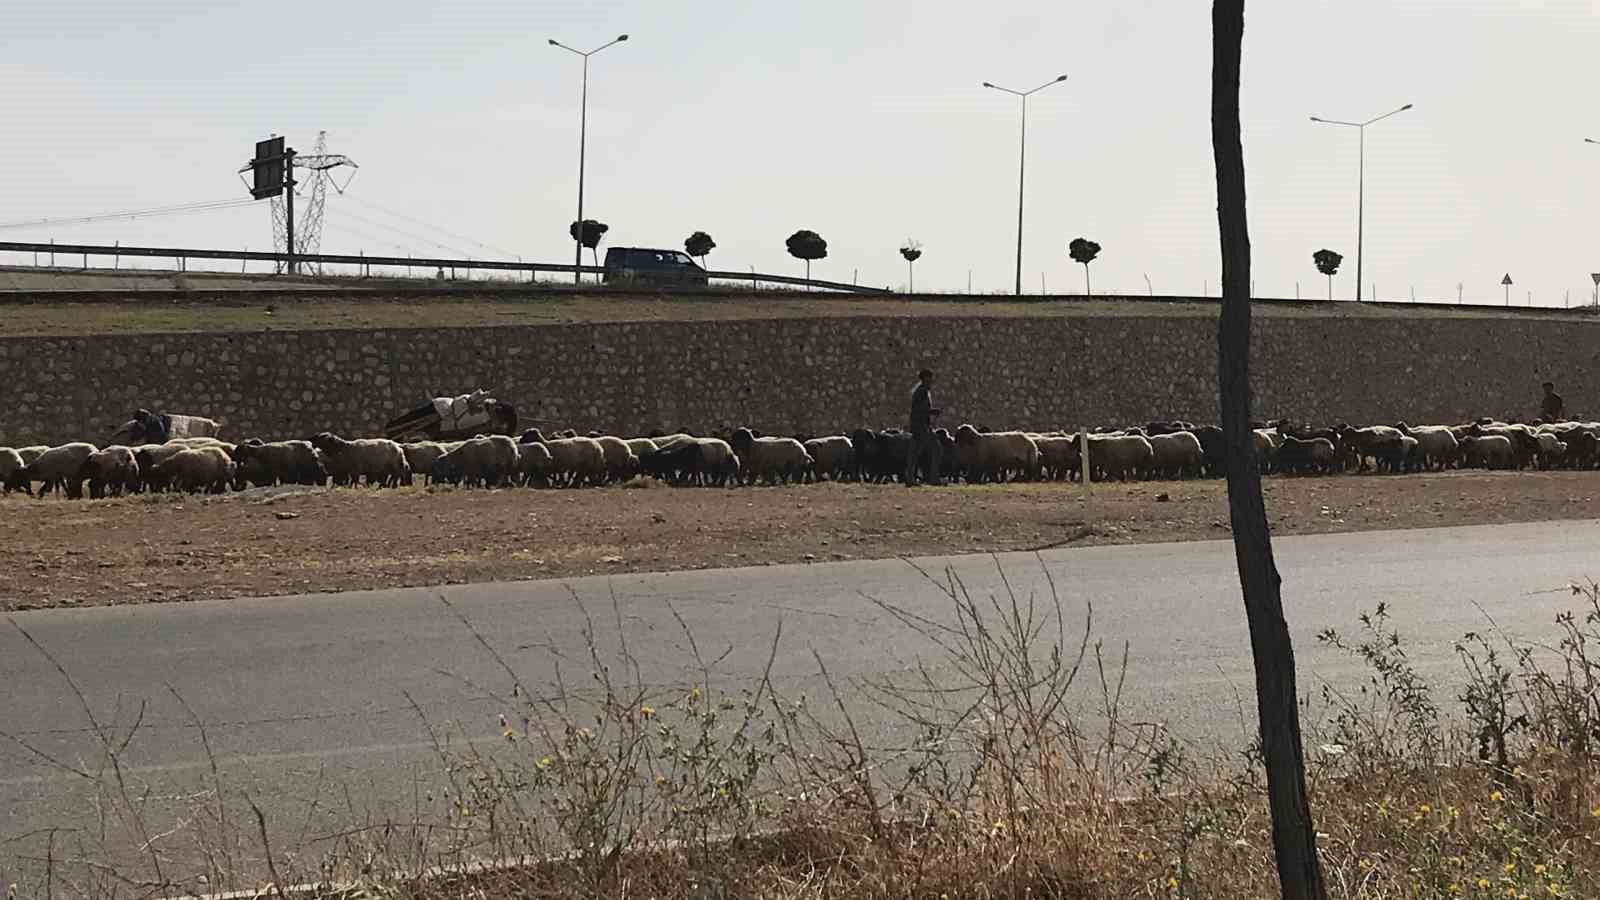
[924,446]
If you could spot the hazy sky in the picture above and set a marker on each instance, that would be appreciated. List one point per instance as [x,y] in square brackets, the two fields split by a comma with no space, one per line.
[863,121]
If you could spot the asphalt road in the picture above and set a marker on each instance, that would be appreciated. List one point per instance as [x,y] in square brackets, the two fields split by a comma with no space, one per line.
[314,705]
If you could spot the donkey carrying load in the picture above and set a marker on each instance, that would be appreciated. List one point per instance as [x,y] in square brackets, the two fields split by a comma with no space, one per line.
[147,427]
[454,419]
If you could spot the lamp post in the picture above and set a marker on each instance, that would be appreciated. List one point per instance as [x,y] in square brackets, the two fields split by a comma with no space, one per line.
[1361,178]
[583,131]
[1022,160]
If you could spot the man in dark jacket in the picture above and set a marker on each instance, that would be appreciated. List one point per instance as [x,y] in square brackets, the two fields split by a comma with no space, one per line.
[924,447]
[1550,407]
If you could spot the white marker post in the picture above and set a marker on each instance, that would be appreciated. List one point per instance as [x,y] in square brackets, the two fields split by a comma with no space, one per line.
[1083,458]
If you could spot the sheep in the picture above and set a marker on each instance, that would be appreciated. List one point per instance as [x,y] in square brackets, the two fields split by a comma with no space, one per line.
[110,471]
[1213,449]
[1492,451]
[677,463]
[832,456]
[421,454]
[719,464]
[150,457]
[641,446]
[621,461]
[11,466]
[1439,446]
[1551,449]
[574,461]
[995,455]
[196,469]
[1379,442]
[486,461]
[533,464]
[1304,457]
[29,454]
[772,458]
[1060,457]
[380,461]
[1176,454]
[281,462]
[60,468]
[1118,456]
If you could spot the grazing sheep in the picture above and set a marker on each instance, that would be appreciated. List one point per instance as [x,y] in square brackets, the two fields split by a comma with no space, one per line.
[485,461]
[834,457]
[29,454]
[533,464]
[11,466]
[110,471]
[1492,451]
[1306,457]
[150,457]
[641,446]
[60,468]
[1176,454]
[677,463]
[1380,443]
[196,469]
[420,456]
[1552,450]
[379,460]
[995,455]
[574,461]
[771,458]
[621,461]
[1118,456]
[1438,445]
[1059,455]
[281,462]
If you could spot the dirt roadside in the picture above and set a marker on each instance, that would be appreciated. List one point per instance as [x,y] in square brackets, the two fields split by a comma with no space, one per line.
[167,548]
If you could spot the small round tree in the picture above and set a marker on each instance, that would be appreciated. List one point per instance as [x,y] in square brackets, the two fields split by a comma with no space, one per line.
[593,231]
[912,251]
[1083,250]
[1328,264]
[699,244]
[807,245]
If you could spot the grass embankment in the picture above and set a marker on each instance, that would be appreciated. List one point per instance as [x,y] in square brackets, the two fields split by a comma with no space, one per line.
[172,547]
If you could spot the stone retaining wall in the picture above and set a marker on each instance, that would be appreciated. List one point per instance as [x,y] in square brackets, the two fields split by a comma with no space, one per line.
[800,375]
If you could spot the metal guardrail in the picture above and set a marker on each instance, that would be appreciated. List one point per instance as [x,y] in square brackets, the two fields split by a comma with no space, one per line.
[183,254]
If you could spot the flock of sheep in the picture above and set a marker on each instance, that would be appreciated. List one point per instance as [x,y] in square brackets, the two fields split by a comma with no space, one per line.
[1156,450]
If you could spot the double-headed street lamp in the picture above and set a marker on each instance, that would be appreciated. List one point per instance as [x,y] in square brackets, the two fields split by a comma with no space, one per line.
[583,130]
[1022,160]
[1361,178]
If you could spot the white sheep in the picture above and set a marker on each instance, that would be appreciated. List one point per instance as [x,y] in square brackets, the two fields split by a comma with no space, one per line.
[60,468]
[488,461]
[1490,452]
[110,471]
[1439,446]
[1176,455]
[379,460]
[421,454]
[621,462]
[1119,455]
[831,456]
[196,469]
[11,466]
[534,464]
[774,459]
[1059,455]
[280,462]
[577,460]
[995,455]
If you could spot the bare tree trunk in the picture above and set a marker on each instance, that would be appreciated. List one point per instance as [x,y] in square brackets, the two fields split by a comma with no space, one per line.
[1294,838]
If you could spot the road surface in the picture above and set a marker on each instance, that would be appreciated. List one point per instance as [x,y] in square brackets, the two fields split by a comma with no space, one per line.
[319,698]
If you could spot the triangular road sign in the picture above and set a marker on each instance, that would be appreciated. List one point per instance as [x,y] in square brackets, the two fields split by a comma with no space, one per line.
[1596,277]
[1506,280]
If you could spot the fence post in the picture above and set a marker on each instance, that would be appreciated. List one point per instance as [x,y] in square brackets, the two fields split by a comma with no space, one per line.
[116,260]
[1083,457]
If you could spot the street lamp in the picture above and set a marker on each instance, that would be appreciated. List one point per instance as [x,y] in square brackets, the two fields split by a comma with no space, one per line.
[1361,182]
[1022,160]
[583,130]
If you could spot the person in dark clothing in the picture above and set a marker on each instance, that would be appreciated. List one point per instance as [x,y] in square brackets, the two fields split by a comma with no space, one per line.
[1550,407]
[924,446]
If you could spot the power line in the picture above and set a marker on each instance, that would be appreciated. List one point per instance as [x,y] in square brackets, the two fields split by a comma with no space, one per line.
[410,234]
[146,213]
[430,226]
